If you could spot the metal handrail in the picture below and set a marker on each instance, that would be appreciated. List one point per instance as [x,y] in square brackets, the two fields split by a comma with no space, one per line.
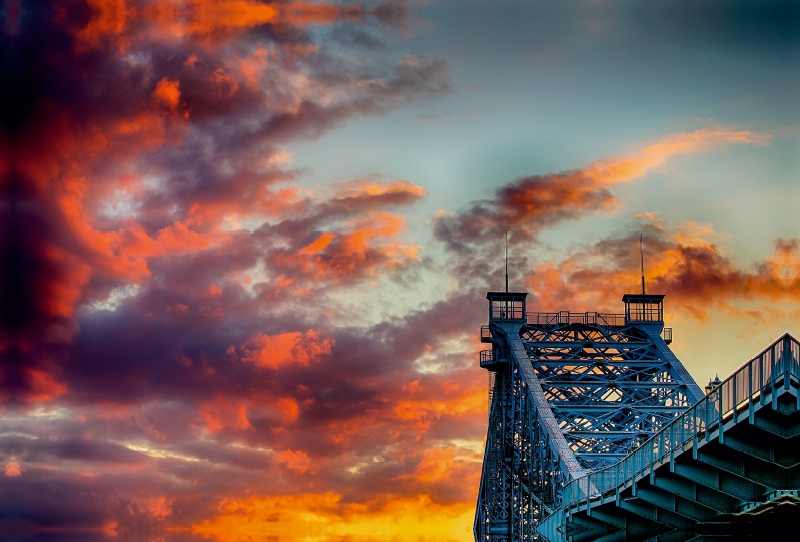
[564,317]
[497,354]
[765,372]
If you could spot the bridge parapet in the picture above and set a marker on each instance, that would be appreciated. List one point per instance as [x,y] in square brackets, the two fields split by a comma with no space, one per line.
[724,466]
[734,398]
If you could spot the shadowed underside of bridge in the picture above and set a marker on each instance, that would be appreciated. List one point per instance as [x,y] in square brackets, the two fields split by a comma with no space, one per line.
[598,433]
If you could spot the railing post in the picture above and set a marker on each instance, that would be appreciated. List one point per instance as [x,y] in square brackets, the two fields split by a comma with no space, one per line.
[750,407]
[787,362]
[672,447]
[774,377]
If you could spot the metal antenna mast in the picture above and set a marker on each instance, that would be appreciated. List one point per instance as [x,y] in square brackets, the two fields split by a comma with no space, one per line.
[641,249]
[506,261]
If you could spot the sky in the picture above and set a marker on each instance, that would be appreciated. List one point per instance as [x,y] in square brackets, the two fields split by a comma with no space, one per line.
[246,244]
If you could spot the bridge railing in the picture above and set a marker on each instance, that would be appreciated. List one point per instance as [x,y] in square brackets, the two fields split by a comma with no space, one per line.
[564,317]
[732,398]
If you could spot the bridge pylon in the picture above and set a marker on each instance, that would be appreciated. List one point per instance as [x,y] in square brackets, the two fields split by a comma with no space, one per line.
[570,393]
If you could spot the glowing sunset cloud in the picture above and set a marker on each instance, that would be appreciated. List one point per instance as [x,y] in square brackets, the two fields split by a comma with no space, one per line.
[691,271]
[116,21]
[325,517]
[532,203]
[617,169]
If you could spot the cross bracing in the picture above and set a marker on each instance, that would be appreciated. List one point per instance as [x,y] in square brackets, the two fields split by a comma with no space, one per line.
[728,468]
[571,393]
[604,405]
[598,433]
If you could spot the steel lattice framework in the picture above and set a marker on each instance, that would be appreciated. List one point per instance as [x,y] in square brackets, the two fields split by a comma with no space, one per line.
[570,393]
[729,466]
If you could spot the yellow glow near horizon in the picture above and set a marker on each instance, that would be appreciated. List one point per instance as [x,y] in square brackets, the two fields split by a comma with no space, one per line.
[324,518]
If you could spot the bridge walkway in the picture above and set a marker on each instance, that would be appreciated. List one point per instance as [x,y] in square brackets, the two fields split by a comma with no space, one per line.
[729,465]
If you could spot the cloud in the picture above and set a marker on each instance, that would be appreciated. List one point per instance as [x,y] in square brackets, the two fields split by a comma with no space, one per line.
[613,170]
[325,516]
[277,350]
[156,140]
[167,92]
[171,334]
[528,205]
[681,262]
[13,469]
[120,23]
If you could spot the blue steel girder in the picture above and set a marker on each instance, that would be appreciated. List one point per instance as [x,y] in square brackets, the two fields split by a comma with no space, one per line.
[527,461]
[610,387]
[728,466]
[567,397]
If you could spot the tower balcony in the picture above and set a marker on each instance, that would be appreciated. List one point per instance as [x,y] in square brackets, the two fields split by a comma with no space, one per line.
[493,359]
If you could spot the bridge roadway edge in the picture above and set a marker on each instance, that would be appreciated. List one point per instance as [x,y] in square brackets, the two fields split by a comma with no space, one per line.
[707,485]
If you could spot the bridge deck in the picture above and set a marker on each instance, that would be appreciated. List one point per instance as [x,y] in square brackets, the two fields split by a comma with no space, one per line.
[729,464]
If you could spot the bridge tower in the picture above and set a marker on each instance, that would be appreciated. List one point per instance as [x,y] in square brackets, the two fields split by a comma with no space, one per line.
[570,393]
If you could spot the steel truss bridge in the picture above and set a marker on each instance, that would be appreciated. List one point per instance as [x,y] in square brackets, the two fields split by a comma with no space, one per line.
[597,433]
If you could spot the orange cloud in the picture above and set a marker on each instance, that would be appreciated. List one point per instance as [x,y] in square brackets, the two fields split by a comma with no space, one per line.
[293,348]
[248,199]
[156,507]
[43,385]
[532,203]
[294,461]
[167,93]
[362,188]
[179,238]
[687,267]
[108,22]
[302,13]
[111,20]
[325,517]
[209,15]
[224,413]
[288,409]
[13,469]
[448,401]
[437,464]
[251,66]
[360,250]
[617,169]
[225,85]
[213,291]
[146,127]
[319,245]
